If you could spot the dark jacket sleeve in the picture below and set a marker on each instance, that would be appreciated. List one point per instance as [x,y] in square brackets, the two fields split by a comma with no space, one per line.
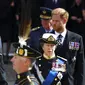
[80,65]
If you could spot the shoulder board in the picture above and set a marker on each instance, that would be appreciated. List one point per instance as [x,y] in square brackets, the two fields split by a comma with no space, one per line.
[36,28]
[62,58]
[32,80]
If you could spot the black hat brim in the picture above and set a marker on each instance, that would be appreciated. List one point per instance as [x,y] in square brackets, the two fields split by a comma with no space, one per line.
[32,53]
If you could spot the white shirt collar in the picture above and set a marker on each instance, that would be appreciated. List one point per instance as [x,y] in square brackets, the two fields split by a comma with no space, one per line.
[63,33]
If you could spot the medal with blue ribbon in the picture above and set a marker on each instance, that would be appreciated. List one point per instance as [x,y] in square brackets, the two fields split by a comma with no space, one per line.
[58,69]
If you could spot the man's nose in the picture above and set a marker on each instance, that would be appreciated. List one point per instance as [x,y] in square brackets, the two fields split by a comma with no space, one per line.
[12,59]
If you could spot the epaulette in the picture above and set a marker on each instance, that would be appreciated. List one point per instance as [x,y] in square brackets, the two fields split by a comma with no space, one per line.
[32,78]
[62,58]
[36,28]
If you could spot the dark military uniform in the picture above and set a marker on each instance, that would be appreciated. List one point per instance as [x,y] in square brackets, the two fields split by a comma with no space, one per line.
[35,34]
[72,50]
[26,78]
[49,71]
[43,67]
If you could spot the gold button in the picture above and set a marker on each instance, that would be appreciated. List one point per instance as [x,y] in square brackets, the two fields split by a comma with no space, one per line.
[18,76]
[55,79]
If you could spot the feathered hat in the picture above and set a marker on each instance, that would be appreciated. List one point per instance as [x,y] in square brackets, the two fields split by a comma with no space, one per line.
[25,21]
[21,47]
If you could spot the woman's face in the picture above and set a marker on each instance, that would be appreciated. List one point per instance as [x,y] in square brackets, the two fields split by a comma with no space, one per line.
[48,49]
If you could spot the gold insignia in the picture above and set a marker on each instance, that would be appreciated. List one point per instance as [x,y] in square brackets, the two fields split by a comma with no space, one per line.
[44,12]
[30,52]
[18,76]
[51,38]
[36,28]
[55,79]
[45,17]
[21,51]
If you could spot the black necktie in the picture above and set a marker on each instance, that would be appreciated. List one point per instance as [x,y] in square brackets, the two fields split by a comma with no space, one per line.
[59,39]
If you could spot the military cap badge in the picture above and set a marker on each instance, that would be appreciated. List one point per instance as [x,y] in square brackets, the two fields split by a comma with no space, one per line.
[21,51]
[44,12]
[51,38]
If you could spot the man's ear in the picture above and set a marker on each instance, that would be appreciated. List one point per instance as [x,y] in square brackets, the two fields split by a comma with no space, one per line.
[26,61]
[64,20]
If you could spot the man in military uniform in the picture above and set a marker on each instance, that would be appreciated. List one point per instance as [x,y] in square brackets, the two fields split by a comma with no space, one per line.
[23,60]
[49,69]
[36,33]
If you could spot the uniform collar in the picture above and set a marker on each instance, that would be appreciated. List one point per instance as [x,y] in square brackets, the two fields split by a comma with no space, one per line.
[23,75]
[46,57]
